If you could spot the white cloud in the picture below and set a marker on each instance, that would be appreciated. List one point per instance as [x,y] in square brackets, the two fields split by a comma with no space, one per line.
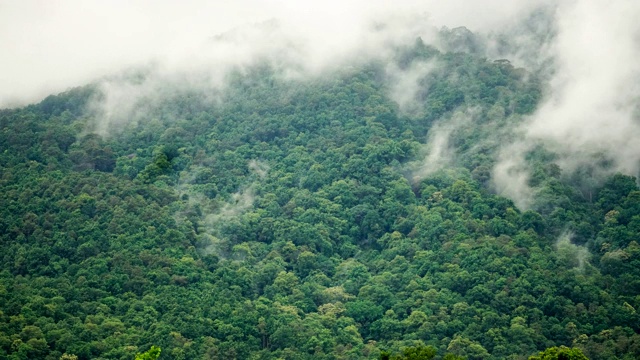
[48,46]
[591,108]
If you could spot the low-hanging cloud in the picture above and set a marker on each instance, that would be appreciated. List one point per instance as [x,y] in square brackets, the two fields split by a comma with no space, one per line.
[590,112]
[48,46]
[586,48]
[440,153]
[211,215]
[572,255]
[406,84]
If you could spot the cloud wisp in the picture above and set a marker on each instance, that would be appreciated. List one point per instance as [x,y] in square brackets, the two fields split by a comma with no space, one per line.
[590,112]
[49,46]
[587,49]
[440,153]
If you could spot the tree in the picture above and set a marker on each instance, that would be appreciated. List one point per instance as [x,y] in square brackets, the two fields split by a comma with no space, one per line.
[560,353]
[151,354]
[411,353]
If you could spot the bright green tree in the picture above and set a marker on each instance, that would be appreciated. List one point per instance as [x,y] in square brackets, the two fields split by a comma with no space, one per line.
[151,354]
[560,353]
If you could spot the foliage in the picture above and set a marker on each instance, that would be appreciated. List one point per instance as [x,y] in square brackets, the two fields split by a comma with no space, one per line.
[412,353]
[560,353]
[284,221]
[151,354]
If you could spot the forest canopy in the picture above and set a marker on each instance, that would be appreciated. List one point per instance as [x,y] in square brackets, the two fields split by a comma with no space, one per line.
[287,218]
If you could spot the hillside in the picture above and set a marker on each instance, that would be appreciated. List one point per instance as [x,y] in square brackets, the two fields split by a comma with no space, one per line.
[331,217]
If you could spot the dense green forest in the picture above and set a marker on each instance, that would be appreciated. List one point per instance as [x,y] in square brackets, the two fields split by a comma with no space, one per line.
[285,220]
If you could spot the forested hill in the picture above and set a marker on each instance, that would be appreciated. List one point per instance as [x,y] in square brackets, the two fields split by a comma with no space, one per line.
[290,218]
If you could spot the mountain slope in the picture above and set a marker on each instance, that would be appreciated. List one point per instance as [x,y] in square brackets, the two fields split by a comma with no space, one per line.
[303,219]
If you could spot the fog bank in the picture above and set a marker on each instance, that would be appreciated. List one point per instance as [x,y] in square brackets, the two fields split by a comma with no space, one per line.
[589,115]
[48,46]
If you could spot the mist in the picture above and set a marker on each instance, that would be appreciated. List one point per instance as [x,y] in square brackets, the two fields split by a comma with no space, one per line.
[440,153]
[590,112]
[213,214]
[405,85]
[49,46]
[574,256]
[585,49]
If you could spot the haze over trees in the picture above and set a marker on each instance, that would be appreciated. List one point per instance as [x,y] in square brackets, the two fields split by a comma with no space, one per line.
[312,217]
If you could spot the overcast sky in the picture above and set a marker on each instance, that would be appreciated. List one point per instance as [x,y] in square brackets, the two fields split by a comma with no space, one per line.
[49,45]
